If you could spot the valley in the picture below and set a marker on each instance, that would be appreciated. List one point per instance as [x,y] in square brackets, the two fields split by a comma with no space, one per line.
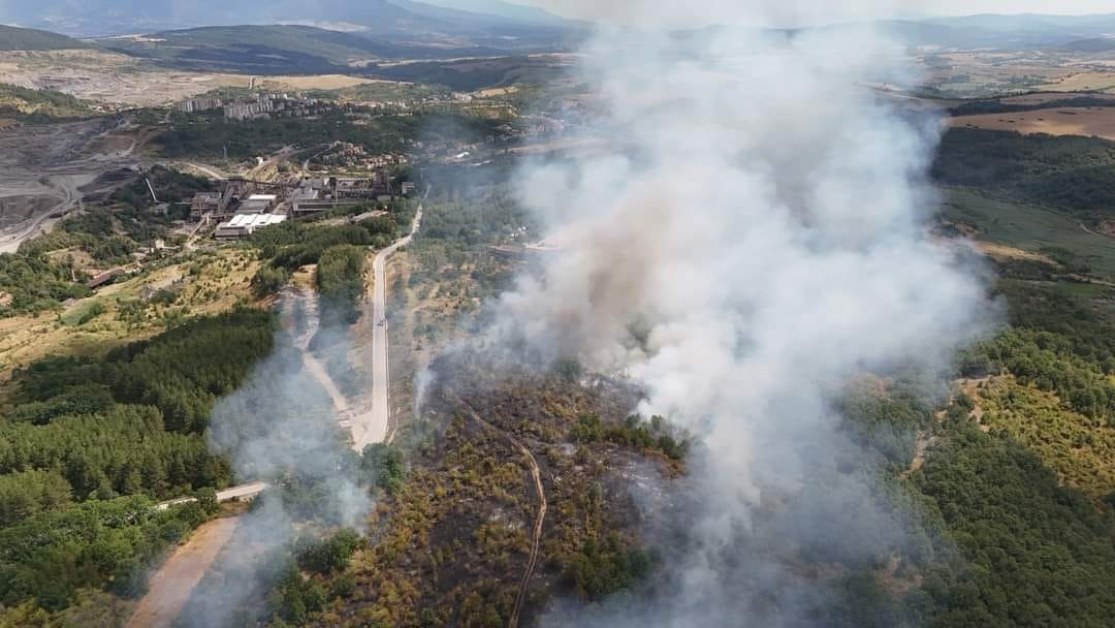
[293,331]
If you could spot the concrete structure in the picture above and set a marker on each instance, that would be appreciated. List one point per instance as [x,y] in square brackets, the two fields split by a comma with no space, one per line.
[257,204]
[261,107]
[309,207]
[104,278]
[205,203]
[244,225]
[200,104]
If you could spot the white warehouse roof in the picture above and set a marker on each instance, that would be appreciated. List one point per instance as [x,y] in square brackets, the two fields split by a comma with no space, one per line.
[254,221]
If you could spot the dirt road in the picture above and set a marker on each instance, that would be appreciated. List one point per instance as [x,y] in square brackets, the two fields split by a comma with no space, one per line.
[305,299]
[371,426]
[208,171]
[539,519]
[170,588]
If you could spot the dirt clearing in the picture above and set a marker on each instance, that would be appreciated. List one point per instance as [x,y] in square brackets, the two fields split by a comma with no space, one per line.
[1088,121]
[1081,82]
[323,81]
[1009,253]
[171,586]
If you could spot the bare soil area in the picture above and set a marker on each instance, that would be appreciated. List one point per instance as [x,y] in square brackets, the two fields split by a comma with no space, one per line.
[322,81]
[1090,80]
[46,170]
[122,81]
[1088,121]
[109,78]
[170,587]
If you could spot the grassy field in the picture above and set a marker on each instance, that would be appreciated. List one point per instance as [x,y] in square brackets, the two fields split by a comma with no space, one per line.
[205,284]
[1028,228]
[1087,121]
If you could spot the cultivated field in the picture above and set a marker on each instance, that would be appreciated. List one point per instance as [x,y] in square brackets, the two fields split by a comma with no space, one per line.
[980,74]
[1089,80]
[1089,121]
[320,81]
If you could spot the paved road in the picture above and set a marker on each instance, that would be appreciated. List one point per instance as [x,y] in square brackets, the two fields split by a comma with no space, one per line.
[244,491]
[371,427]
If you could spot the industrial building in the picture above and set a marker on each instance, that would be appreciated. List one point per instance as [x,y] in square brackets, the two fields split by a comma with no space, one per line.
[257,204]
[244,225]
[205,203]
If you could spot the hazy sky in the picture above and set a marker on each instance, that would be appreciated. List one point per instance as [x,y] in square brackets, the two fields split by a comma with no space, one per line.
[1062,7]
[930,7]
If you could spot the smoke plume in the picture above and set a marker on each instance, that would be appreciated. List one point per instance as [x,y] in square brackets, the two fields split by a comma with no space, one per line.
[282,428]
[760,215]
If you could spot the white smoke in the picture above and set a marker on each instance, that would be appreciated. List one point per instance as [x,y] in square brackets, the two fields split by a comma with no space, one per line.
[763,213]
[282,428]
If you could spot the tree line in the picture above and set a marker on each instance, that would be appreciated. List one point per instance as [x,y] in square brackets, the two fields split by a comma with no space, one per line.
[87,444]
[1071,174]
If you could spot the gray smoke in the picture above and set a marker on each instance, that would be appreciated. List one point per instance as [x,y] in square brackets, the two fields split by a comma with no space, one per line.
[763,213]
[283,428]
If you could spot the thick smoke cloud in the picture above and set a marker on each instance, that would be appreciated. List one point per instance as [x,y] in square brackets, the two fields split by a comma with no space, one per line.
[759,217]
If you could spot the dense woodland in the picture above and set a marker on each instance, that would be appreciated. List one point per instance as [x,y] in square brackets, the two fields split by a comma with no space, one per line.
[210,134]
[86,445]
[339,253]
[1074,175]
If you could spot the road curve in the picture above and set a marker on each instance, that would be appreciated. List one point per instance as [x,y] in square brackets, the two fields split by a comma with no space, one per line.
[371,427]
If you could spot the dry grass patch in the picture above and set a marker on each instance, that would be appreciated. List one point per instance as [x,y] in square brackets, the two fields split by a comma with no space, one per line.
[1087,121]
[131,310]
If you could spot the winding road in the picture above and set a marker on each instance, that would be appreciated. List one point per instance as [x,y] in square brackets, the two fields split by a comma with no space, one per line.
[372,427]
[173,583]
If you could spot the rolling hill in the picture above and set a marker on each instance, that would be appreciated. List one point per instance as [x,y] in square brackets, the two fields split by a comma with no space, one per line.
[13,38]
[282,48]
[274,49]
[1017,32]
[396,22]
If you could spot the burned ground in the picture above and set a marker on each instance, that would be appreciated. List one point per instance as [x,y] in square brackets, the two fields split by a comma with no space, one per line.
[453,545]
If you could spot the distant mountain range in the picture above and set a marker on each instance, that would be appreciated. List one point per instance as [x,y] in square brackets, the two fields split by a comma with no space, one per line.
[1013,32]
[242,35]
[272,49]
[493,19]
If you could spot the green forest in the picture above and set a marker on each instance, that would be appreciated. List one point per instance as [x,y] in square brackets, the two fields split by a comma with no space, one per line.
[88,445]
[1069,174]
[210,134]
